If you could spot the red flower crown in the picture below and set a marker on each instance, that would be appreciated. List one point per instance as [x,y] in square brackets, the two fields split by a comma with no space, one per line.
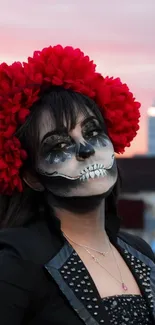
[21,85]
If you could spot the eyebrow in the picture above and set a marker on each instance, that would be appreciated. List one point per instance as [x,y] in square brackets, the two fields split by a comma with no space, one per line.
[60,131]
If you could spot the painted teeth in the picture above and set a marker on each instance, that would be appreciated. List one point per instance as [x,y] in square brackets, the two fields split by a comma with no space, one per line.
[82,178]
[87,175]
[92,168]
[92,174]
[97,173]
[95,170]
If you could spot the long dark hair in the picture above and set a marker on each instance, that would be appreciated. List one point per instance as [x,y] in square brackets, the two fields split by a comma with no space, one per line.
[23,208]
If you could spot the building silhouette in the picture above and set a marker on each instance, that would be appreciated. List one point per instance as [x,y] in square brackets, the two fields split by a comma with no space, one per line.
[151,130]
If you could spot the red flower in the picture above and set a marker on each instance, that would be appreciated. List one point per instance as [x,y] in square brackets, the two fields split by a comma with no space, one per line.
[21,84]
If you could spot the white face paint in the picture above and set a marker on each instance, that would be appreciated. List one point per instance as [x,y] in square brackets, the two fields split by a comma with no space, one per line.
[79,162]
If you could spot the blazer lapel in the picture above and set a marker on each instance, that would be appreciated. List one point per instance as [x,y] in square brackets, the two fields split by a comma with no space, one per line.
[75,286]
[143,270]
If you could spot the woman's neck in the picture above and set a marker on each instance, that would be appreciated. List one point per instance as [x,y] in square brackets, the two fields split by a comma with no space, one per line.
[84,229]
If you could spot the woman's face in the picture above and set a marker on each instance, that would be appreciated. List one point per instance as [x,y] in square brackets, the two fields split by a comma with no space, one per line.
[79,162]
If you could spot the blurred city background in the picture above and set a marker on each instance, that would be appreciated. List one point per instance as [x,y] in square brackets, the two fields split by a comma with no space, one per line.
[120,36]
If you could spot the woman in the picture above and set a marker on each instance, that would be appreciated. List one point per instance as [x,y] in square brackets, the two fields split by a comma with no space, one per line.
[62,257]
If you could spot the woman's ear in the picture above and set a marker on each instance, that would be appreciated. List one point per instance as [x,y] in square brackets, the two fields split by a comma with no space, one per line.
[31,179]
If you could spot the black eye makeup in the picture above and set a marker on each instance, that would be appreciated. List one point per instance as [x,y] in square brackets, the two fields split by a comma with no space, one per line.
[55,142]
[92,129]
[57,148]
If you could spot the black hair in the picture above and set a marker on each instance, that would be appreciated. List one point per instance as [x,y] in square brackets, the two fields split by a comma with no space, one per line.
[23,208]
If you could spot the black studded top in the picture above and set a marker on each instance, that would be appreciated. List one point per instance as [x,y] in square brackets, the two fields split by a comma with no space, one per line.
[127,309]
[123,309]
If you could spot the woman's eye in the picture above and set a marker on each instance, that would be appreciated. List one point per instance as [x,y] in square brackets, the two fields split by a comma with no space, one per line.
[92,133]
[59,146]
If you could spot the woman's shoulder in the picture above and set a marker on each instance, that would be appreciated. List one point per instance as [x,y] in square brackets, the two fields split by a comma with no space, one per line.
[33,243]
[137,243]
[16,241]
[18,272]
[23,252]
[22,277]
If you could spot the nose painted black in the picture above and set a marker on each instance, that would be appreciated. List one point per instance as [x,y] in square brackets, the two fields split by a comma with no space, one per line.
[85,151]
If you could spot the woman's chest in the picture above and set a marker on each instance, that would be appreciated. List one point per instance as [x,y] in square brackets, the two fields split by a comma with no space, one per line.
[81,287]
[110,274]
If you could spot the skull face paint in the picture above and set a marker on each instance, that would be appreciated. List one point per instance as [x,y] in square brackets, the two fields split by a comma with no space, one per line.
[78,162]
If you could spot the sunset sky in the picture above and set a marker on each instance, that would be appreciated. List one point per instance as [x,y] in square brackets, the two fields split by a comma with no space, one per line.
[118,34]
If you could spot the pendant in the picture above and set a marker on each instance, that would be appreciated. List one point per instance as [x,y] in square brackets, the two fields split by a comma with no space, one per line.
[125,288]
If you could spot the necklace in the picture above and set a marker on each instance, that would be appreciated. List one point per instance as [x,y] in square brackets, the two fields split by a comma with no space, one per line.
[87,247]
[123,285]
[96,260]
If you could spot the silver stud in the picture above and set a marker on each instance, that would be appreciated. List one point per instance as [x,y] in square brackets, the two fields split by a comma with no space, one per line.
[71,284]
[89,306]
[94,299]
[150,296]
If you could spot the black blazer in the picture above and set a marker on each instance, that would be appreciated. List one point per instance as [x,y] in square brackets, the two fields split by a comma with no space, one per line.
[33,289]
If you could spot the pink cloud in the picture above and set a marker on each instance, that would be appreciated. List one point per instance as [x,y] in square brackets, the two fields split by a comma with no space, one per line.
[118,35]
